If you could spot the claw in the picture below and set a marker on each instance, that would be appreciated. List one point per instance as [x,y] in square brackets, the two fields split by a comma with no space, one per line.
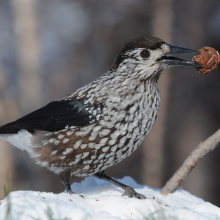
[131,193]
[71,193]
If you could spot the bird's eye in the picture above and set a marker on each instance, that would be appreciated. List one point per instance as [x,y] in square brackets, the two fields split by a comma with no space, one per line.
[145,53]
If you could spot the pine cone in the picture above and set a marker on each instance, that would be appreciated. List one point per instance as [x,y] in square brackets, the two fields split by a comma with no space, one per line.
[208,58]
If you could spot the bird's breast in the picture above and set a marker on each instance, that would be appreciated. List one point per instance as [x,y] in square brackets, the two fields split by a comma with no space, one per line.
[134,113]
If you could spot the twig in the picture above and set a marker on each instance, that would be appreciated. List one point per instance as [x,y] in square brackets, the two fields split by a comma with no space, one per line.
[201,150]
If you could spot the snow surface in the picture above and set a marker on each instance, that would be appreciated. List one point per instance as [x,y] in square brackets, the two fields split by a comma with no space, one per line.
[103,201]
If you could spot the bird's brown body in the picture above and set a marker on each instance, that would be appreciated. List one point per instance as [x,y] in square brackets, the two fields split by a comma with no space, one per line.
[103,122]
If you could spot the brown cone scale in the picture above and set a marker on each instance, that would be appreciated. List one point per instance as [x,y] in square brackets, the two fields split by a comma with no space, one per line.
[208,58]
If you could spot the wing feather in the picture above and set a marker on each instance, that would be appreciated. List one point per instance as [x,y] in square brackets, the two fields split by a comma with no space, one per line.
[54,116]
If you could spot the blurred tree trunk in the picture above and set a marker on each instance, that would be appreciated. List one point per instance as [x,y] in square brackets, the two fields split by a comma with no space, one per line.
[6,154]
[153,150]
[29,85]
[25,23]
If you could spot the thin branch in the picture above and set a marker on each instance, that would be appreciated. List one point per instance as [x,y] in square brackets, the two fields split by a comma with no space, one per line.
[201,150]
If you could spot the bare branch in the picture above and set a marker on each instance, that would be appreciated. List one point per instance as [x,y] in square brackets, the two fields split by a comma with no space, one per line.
[201,150]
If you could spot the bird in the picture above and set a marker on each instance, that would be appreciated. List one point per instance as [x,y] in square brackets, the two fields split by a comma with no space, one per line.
[103,122]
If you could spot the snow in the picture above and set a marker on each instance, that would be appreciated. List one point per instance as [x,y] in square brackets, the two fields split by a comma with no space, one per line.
[102,200]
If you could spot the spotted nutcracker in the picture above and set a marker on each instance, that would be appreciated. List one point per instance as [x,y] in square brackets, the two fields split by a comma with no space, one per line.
[103,122]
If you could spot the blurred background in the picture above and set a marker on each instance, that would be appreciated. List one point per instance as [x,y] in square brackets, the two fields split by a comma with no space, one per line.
[49,48]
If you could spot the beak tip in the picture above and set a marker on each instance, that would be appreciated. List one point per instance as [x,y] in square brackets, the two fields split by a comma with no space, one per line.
[179,50]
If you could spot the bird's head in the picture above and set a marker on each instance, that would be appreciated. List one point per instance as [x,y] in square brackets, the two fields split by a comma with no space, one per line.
[151,55]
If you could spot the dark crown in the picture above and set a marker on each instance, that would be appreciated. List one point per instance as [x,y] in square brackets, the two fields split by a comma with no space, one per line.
[152,43]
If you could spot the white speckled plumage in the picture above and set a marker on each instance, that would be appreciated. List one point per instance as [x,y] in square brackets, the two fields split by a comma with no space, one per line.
[128,115]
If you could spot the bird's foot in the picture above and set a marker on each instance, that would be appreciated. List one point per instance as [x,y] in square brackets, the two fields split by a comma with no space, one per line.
[71,193]
[130,192]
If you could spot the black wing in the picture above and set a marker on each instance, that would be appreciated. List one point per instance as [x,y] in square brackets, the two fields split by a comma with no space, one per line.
[56,116]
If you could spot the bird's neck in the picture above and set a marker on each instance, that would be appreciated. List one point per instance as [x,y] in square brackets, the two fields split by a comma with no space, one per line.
[140,71]
[136,74]
[121,83]
[129,81]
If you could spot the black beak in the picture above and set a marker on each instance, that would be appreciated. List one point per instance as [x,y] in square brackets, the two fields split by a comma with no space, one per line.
[174,61]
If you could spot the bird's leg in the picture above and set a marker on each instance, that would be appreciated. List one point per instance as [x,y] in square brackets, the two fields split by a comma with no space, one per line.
[129,191]
[65,176]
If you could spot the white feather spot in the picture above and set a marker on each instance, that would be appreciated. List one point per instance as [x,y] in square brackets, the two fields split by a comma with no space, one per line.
[98,146]
[69,133]
[103,140]
[45,142]
[101,156]
[114,148]
[74,162]
[60,136]
[97,128]
[89,161]
[78,156]
[48,134]
[82,133]
[77,144]
[119,153]
[124,148]
[92,136]
[91,145]
[105,149]
[51,140]
[93,157]
[115,134]
[56,142]
[112,142]
[86,167]
[83,146]
[68,150]
[107,155]
[65,140]
[54,152]
[122,140]
[85,154]
[104,132]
